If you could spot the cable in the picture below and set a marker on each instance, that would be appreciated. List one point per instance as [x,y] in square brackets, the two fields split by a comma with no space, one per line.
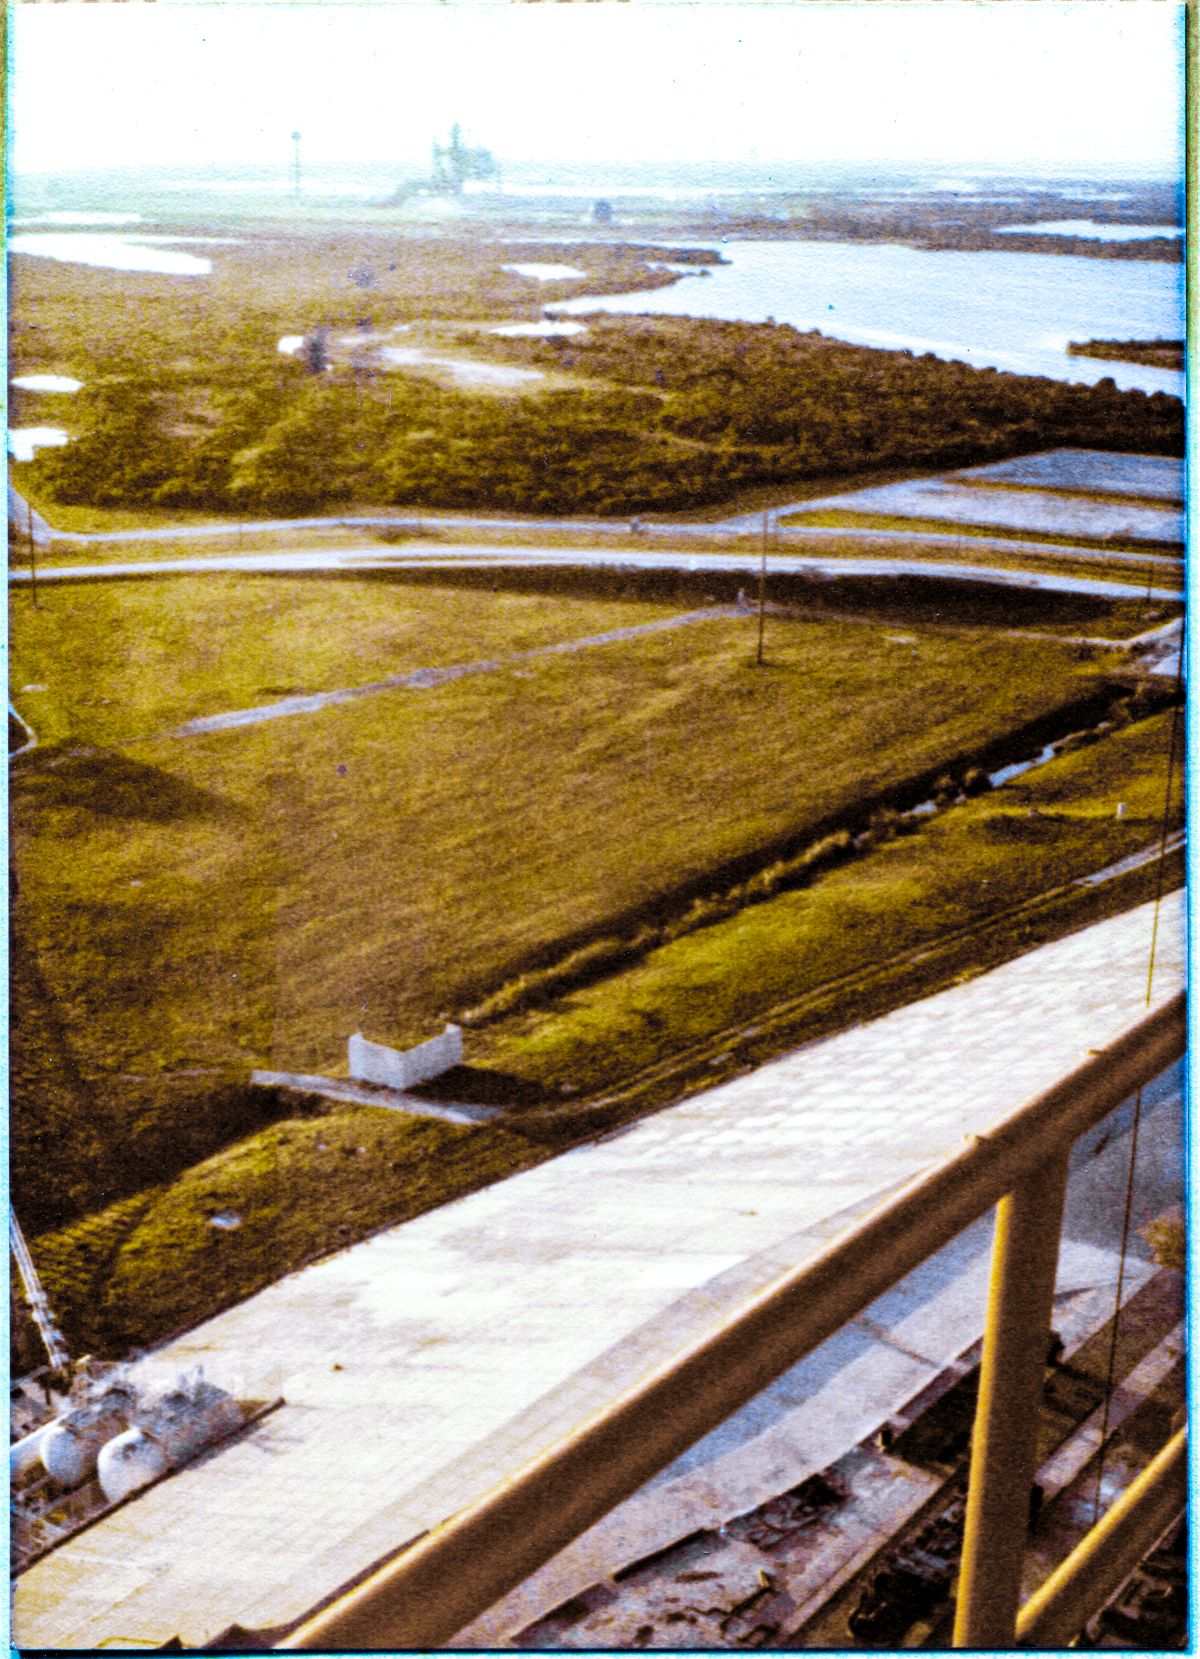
[1137,1104]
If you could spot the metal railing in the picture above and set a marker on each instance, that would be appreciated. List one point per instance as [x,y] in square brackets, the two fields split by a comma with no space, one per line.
[429,1593]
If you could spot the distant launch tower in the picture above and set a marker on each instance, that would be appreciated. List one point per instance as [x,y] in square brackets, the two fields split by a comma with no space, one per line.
[455,163]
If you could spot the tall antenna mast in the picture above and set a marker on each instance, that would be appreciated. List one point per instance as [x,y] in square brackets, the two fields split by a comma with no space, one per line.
[39,1304]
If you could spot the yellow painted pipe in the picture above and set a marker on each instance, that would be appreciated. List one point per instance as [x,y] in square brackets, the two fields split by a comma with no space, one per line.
[1102,1561]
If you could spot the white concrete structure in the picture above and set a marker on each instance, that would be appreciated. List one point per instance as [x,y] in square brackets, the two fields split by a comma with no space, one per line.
[396,1068]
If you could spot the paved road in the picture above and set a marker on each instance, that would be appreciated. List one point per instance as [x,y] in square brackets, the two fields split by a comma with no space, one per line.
[25,522]
[442,556]
[737,526]
[422,1365]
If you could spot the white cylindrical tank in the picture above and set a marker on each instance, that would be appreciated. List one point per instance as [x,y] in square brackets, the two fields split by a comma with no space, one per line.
[71,1446]
[25,1453]
[128,1462]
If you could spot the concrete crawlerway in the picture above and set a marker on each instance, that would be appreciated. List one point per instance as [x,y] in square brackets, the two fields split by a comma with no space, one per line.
[422,1365]
[424,679]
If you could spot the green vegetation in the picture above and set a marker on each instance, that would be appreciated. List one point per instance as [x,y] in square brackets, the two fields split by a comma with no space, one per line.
[640,865]
[77,1263]
[950,219]
[971,862]
[125,660]
[305,1186]
[633,415]
[923,598]
[76,519]
[1159,354]
[195,907]
[1167,1237]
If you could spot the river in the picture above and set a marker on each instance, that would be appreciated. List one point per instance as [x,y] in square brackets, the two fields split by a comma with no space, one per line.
[1013,311]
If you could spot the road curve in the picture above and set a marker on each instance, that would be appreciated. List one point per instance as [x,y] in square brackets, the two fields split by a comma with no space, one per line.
[467,555]
[737,527]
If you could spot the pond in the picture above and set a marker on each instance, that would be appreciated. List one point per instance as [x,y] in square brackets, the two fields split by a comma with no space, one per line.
[115,253]
[1091,228]
[465,371]
[46,383]
[542,272]
[23,440]
[1029,512]
[1011,311]
[547,330]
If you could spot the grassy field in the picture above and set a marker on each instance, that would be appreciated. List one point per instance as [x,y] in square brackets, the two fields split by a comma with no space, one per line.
[628,418]
[1072,560]
[153,1263]
[75,519]
[975,860]
[418,846]
[193,907]
[288,276]
[122,660]
[428,544]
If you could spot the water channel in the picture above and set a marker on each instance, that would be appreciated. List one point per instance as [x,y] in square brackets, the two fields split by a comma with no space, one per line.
[1092,229]
[1011,311]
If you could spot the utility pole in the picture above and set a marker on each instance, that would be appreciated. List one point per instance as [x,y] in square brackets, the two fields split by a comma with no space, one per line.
[32,553]
[296,165]
[762,586]
[1149,594]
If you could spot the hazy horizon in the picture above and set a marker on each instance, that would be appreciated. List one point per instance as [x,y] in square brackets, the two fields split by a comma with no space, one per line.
[1008,87]
[827,168]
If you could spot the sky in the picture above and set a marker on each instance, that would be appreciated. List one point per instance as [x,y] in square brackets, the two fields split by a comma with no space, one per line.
[1088,84]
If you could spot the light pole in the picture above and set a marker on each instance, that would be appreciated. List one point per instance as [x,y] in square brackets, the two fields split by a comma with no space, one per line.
[296,165]
[32,552]
[762,585]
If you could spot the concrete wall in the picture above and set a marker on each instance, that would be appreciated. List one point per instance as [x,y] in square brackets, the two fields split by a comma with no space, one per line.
[394,1068]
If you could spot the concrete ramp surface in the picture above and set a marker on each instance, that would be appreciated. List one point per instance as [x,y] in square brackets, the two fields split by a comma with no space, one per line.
[421,1366]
